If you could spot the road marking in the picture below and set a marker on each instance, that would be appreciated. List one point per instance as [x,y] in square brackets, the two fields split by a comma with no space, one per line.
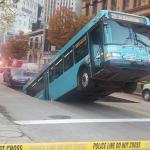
[77,121]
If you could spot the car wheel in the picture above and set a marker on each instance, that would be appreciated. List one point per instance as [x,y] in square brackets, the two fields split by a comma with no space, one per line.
[146,95]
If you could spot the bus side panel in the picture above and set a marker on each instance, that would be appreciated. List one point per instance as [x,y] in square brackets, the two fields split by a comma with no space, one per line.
[40,95]
[68,82]
[65,83]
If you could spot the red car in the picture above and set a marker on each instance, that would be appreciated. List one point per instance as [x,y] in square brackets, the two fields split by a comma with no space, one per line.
[17,63]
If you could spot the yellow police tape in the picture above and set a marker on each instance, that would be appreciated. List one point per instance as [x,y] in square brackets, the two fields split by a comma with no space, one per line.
[102,145]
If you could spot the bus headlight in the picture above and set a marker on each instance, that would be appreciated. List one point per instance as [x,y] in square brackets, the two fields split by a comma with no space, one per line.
[115,54]
[107,55]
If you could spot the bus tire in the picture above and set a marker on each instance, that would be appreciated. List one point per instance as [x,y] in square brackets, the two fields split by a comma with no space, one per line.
[130,87]
[146,95]
[84,81]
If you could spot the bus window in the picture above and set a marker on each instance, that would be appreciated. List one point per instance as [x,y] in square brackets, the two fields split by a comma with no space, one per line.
[58,68]
[37,87]
[80,49]
[51,74]
[68,60]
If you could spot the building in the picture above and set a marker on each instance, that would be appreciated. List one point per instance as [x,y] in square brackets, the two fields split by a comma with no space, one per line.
[28,18]
[52,5]
[139,7]
[26,15]
[39,47]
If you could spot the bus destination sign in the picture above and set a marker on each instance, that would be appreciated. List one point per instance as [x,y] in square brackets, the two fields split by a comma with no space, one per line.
[127,17]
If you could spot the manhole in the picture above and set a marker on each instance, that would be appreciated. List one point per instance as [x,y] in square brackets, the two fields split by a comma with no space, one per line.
[10,134]
[59,117]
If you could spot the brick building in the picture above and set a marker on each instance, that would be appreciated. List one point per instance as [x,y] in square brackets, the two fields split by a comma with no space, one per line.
[139,7]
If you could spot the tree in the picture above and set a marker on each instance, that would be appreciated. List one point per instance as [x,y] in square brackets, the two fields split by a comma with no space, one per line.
[7,14]
[64,25]
[16,47]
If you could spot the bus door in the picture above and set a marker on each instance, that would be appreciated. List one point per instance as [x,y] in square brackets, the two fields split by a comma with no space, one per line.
[46,85]
[95,41]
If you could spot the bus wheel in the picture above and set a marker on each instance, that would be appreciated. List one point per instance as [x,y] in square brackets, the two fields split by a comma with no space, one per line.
[130,87]
[83,80]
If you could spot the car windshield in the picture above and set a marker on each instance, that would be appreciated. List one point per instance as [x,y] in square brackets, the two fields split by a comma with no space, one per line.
[129,33]
[29,74]
[18,72]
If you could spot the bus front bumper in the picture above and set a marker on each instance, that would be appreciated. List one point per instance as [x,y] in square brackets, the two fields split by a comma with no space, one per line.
[116,70]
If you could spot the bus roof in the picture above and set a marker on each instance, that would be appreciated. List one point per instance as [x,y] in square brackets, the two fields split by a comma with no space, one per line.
[87,27]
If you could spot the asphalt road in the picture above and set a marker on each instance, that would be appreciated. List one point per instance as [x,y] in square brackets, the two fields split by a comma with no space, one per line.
[117,117]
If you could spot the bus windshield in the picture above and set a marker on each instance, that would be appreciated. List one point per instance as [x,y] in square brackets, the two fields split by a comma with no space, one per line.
[125,33]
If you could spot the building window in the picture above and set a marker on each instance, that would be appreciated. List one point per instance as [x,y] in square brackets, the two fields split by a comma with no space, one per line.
[137,3]
[87,9]
[95,7]
[36,42]
[41,41]
[31,43]
[126,4]
[104,4]
[113,4]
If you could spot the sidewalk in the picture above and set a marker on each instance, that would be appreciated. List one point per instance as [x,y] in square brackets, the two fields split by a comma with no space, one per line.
[10,133]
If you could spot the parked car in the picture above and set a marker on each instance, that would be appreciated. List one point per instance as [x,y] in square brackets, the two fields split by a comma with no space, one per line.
[16,77]
[30,67]
[146,92]
[17,63]
[2,69]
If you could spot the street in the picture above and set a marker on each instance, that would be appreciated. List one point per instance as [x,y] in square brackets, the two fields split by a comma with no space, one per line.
[57,57]
[24,119]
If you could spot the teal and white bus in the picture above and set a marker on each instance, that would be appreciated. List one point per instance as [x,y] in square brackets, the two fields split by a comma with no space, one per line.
[111,53]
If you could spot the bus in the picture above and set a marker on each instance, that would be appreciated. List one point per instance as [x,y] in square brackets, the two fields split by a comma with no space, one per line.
[111,53]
